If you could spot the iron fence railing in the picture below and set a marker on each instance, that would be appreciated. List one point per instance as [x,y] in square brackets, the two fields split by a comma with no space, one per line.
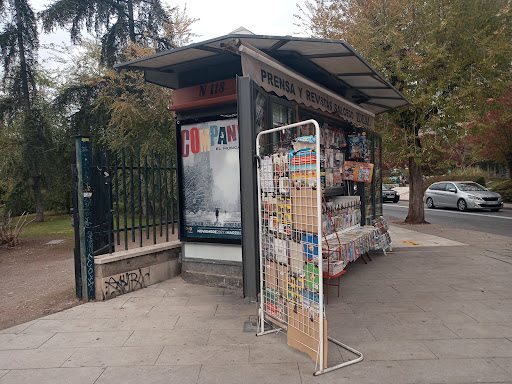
[143,202]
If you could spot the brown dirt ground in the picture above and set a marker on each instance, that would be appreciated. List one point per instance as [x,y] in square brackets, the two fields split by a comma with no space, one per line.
[36,279]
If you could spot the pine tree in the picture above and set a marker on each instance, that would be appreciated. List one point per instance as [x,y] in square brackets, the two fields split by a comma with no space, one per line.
[19,46]
[117,23]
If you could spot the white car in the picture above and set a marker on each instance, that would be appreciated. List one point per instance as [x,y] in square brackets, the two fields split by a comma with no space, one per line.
[463,195]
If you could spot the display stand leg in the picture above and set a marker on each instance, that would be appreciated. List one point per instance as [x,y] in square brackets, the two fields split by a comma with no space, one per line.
[346,364]
[261,325]
[383,250]
[327,295]
[362,258]
[368,256]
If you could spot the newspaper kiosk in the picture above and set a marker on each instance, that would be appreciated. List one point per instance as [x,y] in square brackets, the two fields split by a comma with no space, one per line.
[230,92]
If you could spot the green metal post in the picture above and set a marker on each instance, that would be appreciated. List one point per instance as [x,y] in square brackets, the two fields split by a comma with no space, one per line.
[83,158]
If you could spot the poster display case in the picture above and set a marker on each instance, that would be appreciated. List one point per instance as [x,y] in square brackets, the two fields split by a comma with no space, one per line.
[208,165]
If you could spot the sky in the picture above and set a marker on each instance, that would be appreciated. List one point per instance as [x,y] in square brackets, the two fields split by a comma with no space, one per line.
[262,17]
[220,17]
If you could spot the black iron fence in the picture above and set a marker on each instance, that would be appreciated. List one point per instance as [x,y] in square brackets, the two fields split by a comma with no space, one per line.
[144,203]
[133,200]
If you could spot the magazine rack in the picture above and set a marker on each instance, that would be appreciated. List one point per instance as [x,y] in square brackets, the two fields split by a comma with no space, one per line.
[292,244]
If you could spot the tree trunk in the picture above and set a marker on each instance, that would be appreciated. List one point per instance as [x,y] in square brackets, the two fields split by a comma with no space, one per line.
[416,213]
[38,196]
[25,96]
[131,21]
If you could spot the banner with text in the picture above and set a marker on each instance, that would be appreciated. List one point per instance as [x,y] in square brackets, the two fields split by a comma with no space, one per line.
[271,76]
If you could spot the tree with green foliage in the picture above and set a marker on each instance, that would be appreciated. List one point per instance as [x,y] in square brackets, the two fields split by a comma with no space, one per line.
[118,108]
[446,57]
[116,23]
[491,134]
[23,123]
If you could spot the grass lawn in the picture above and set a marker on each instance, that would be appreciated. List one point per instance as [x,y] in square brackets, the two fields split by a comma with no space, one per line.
[54,224]
[60,224]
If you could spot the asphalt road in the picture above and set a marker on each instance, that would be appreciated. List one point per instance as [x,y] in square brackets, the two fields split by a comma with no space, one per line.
[498,223]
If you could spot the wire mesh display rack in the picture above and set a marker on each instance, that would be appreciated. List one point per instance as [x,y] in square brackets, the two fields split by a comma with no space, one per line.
[292,244]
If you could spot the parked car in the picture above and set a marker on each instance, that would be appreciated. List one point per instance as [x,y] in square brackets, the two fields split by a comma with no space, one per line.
[389,195]
[463,195]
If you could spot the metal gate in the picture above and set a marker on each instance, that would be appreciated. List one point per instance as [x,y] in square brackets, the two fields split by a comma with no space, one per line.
[132,195]
[99,186]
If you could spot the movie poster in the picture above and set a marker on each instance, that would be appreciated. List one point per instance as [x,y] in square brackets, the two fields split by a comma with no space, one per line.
[211,180]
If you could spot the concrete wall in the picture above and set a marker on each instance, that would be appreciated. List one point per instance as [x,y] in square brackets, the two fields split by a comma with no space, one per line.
[126,271]
[213,264]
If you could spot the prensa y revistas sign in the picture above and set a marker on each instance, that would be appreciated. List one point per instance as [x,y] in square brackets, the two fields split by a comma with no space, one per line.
[273,77]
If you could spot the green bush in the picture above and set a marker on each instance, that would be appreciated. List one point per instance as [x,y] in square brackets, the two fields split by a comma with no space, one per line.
[480,180]
[504,188]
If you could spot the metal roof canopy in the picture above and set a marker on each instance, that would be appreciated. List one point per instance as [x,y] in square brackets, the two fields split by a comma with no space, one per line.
[331,63]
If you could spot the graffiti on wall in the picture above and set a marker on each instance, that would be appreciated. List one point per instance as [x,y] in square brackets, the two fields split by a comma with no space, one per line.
[124,282]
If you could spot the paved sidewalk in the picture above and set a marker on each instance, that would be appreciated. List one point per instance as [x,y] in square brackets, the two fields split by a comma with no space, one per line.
[423,314]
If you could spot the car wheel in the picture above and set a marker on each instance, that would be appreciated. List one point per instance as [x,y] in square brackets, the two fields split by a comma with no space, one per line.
[495,209]
[430,203]
[461,205]
[395,201]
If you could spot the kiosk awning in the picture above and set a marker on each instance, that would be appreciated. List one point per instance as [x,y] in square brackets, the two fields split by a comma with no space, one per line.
[331,63]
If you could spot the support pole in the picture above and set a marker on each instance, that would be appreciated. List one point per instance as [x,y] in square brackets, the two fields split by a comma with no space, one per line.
[84,192]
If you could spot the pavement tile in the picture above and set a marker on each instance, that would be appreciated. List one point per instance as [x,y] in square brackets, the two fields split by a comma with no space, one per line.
[165,310]
[421,287]
[279,353]
[361,319]
[97,310]
[481,330]
[209,354]
[3,372]
[412,371]
[500,305]
[506,364]
[87,339]
[171,337]
[470,348]
[337,308]
[34,358]
[23,341]
[490,316]
[440,306]
[411,332]
[108,357]
[141,323]
[192,321]
[225,299]
[53,376]
[441,317]
[148,292]
[389,350]
[495,278]
[149,302]
[283,373]
[237,309]
[18,328]
[71,325]
[375,308]
[190,290]
[237,336]
[468,296]
[348,333]
[186,374]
